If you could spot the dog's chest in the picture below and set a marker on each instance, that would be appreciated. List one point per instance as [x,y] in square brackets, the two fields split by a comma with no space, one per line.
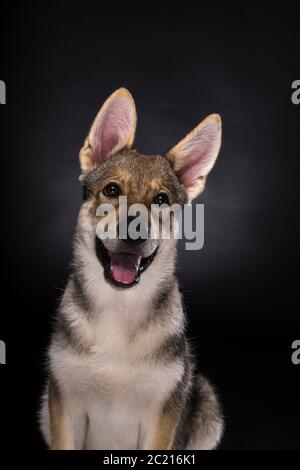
[120,387]
[118,365]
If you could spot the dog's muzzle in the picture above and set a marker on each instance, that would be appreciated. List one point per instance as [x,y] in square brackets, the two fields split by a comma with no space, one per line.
[124,261]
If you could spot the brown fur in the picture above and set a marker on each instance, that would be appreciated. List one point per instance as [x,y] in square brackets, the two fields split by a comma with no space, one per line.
[60,431]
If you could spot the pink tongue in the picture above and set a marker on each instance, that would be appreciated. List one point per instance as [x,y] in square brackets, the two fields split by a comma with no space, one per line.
[124,267]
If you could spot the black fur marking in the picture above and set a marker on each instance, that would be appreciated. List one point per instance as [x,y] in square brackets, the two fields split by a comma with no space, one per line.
[159,310]
[64,331]
[53,386]
[163,295]
[176,403]
[200,409]
[180,393]
[189,416]
[172,348]
[79,295]
[86,192]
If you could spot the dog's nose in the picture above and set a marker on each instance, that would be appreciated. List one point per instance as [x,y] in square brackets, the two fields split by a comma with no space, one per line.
[134,235]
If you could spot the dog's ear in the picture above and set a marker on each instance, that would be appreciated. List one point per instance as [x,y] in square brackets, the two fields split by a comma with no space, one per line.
[112,130]
[194,156]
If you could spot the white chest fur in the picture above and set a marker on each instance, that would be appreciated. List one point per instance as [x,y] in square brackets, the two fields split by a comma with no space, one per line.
[119,384]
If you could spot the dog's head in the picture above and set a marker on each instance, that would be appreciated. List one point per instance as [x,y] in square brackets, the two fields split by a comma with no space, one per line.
[110,169]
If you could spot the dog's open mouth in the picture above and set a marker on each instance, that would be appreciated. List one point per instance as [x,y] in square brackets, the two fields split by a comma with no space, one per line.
[122,269]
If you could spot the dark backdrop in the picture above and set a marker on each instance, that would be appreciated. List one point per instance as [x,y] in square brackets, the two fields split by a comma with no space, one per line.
[60,61]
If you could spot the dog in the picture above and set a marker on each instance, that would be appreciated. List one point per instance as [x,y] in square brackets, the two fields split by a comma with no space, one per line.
[121,374]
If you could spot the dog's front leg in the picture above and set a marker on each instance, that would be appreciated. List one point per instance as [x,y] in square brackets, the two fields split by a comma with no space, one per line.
[162,434]
[62,435]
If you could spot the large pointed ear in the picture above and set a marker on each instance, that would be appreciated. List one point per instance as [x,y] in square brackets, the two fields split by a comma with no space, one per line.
[112,130]
[195,155]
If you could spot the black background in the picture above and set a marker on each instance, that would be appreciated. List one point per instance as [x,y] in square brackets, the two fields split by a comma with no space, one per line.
[60,61]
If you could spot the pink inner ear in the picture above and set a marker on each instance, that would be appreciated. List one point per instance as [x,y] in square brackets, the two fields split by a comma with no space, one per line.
[115,122]
[197,155]
[112,130]
[109,140]
[196,163]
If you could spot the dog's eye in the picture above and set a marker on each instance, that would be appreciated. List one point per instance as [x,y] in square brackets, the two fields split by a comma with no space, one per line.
[161,198]
[112,190]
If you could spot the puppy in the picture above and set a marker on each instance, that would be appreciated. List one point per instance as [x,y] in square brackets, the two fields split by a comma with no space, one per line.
[121,375]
